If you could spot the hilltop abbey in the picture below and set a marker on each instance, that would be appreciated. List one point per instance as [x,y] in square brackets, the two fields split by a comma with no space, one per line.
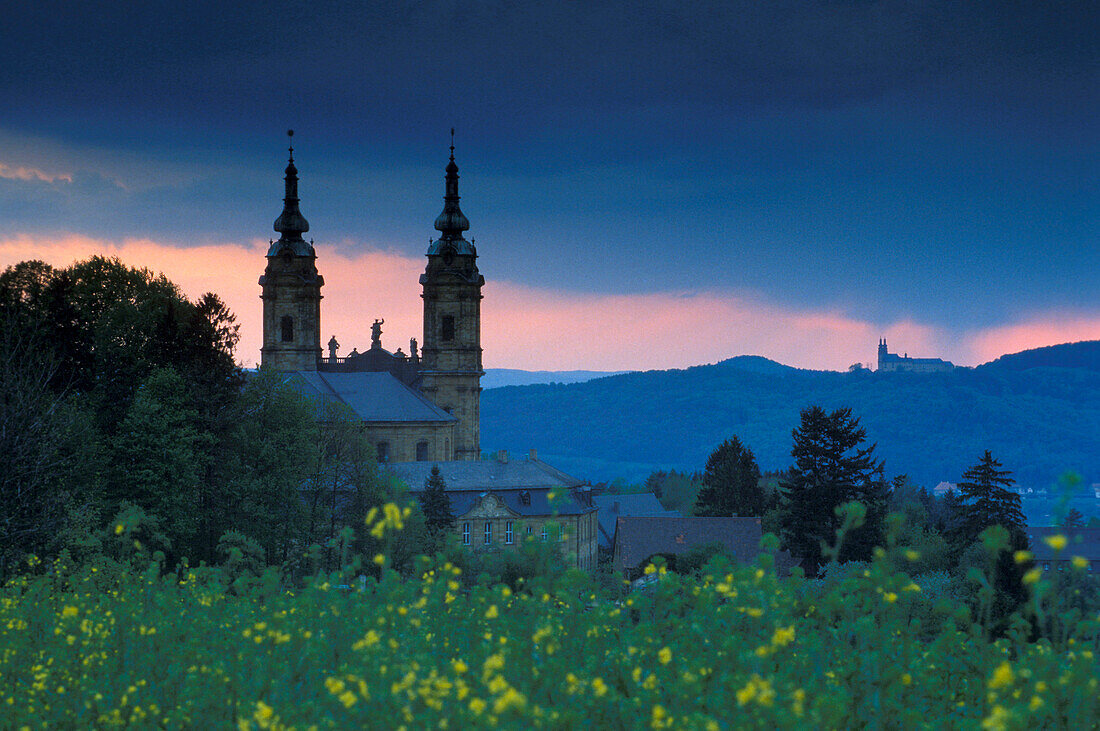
[419,406]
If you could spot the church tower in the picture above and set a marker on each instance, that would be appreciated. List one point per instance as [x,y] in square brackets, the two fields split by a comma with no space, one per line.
[451,355]
[291,290]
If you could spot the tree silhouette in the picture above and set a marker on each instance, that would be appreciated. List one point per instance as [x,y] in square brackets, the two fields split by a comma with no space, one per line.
[436,505]
[831,468]
[731,483]
[985,500]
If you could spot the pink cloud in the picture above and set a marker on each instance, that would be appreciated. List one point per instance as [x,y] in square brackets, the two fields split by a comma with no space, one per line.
[540,329]
[20,172]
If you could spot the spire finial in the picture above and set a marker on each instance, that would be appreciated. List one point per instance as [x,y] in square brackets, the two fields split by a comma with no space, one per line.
[290,137]
[291,223]
[451,222]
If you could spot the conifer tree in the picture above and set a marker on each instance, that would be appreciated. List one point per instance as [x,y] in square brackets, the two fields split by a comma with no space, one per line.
[731,483]
[435,504]
[985,500]
[832,467]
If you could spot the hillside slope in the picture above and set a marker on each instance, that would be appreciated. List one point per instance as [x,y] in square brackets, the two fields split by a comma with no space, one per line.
[1085,354]
[1039,423]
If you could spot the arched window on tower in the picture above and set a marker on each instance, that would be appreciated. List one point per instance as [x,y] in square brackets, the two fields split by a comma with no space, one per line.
[421,451]
[288,328]
[448,333]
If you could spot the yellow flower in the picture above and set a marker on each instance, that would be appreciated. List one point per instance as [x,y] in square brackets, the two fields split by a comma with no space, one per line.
[348,699]
[477,706]
[783,636]
[1057,542]
[70,612]
[119,528]
[1002,676]
[459,666]
[491,612]
[599,687]
[658,716]
[746,694]
[997,720]
[665,656]
[379,559]
[1022,556]
[264,712]
[1035,703]
[906,679]
[890,597]
[1080,562]
[650,569]
[912,555]
[1032,576]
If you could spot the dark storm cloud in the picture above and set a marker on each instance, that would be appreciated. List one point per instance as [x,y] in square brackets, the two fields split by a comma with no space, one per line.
[413,66]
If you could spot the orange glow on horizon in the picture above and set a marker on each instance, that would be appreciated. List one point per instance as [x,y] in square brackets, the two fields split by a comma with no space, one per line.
[538,329]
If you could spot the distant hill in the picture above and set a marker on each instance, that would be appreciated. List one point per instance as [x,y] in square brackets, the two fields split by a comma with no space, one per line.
[498,377]
[1085,354]
[1039,422]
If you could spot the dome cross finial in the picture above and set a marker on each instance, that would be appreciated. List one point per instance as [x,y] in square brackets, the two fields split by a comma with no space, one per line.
[290,136]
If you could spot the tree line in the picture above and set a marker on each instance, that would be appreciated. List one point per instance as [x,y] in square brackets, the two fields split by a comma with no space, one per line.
[834,505]
[124,410]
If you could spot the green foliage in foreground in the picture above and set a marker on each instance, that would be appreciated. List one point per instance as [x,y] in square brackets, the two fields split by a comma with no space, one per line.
[735,648]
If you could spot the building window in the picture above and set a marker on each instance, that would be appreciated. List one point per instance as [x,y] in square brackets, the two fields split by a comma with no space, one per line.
[544,534]
[529,529]
[288,328]
[488,533]
[421,451]
[383,449]
[465,534]
[448,333]
[508,532]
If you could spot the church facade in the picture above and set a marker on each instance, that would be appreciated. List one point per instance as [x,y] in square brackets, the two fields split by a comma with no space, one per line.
[422,409]
[423,405]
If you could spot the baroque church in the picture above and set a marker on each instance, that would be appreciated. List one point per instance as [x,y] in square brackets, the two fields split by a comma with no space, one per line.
[421,409]
[419,406]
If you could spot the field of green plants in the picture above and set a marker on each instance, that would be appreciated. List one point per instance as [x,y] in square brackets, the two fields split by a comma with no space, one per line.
[96,646]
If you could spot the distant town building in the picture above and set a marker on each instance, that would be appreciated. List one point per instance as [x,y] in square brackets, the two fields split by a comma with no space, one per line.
[943,488]
[892,362]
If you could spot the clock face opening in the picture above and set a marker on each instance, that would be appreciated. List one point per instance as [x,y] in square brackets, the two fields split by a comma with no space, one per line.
[448,256]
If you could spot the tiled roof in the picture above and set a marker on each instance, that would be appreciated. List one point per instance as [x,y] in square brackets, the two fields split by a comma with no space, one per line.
[1084,542]
[484,475]
[636,505]
[373,396]
[636,539]
[523,485]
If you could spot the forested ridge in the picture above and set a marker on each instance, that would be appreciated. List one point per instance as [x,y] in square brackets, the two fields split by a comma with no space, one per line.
[1044,421]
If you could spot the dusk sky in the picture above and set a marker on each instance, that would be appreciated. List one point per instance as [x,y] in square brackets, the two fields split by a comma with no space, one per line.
[650,184]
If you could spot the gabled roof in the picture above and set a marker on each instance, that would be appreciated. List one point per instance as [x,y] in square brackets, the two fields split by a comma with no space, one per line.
[484,475]
[523,485]
[636,539]
[1084,542]
[536,503]
[636,505]
[372,396]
